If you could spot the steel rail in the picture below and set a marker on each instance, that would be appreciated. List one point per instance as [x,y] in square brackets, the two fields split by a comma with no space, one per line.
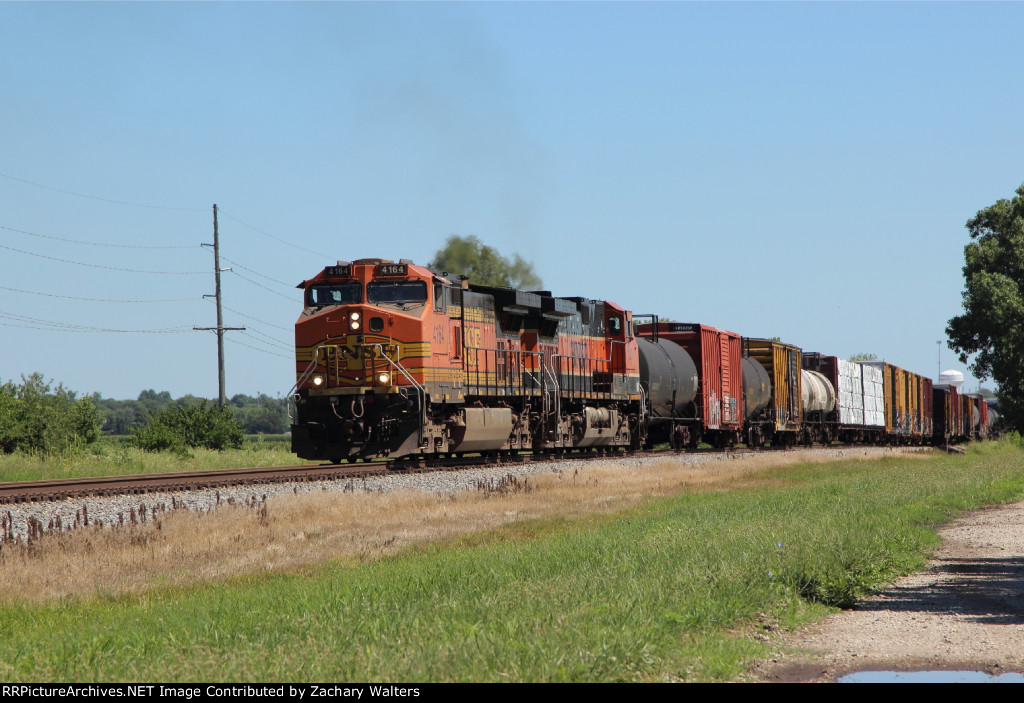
[63,488]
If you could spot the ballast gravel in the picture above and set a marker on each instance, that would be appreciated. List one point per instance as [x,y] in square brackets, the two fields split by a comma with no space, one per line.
[16,519]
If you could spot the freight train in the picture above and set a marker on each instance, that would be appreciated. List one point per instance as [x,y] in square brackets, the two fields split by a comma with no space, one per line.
[397,360]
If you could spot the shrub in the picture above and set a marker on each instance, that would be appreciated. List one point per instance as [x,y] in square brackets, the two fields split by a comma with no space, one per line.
[35,417]
[199,425]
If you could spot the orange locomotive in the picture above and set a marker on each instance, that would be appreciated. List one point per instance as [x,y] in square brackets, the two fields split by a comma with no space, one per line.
[393,359]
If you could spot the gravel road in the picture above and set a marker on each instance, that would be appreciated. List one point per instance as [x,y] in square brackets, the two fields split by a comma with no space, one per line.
[964,613]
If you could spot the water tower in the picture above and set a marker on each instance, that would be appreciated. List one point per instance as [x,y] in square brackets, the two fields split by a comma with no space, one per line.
[951,377]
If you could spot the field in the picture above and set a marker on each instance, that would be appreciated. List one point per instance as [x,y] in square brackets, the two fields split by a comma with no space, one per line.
[113,456]
[666,574]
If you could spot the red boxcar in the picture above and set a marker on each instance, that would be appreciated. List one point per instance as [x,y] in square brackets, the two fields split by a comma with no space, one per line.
[947,412]
[718,356]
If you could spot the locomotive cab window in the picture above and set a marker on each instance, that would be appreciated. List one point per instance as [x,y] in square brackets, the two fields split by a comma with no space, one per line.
[438,296]
[615,325]
[397,292]
[335,294]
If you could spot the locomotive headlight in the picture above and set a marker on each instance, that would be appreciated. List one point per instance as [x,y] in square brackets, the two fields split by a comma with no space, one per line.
[383,377]
[318,380]
[353,320]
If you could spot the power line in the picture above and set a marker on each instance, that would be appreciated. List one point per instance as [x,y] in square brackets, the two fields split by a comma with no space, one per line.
[109,268]
[264,351]
[232,261]
[256,319]
[106,200]
[267,234]
[267,339]
[52,326]
[260,285]
[98,244]
[98,300]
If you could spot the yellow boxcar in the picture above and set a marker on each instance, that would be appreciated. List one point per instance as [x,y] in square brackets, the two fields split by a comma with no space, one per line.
[783,417]
[907,403]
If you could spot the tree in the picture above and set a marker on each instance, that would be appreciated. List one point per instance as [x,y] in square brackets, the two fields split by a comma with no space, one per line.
[864,356]
[35,417]
[992,325]
[260,414]
[155,402]
[484,265]
[181,427]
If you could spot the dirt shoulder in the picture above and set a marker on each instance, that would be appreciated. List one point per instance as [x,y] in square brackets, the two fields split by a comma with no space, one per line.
[964,612]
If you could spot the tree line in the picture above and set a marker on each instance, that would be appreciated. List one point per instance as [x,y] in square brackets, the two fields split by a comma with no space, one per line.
[38,416]
[259,414]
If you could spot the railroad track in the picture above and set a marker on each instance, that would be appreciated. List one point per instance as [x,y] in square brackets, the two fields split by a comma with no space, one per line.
[61,489]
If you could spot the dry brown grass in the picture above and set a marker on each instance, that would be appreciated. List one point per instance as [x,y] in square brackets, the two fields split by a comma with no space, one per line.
[303,531]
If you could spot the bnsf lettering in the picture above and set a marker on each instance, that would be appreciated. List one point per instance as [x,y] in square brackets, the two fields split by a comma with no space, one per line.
[579,348]
[473,337]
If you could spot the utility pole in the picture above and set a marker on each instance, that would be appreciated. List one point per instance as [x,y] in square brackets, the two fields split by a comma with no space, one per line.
[220,328]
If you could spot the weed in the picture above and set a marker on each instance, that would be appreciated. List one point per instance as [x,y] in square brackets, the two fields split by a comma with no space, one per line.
[505,485]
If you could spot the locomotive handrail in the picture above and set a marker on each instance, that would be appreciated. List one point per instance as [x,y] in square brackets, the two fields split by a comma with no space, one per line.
[305,375]
[420,390]
[398,365]
[611,342]
[537,382]
[518,353]
[573,374]
[545,400]
[309,370]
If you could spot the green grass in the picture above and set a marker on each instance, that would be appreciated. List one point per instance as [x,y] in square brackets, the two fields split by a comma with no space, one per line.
[660,593]
[112,456]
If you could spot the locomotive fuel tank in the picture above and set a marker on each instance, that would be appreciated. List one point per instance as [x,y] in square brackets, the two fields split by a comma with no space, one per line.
[668,375]
[757,387]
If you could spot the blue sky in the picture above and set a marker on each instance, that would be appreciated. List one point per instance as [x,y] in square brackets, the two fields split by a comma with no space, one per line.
[800,170]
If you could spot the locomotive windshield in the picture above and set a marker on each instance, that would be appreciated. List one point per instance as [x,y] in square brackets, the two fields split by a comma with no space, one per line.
[397,292]
[336,294]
